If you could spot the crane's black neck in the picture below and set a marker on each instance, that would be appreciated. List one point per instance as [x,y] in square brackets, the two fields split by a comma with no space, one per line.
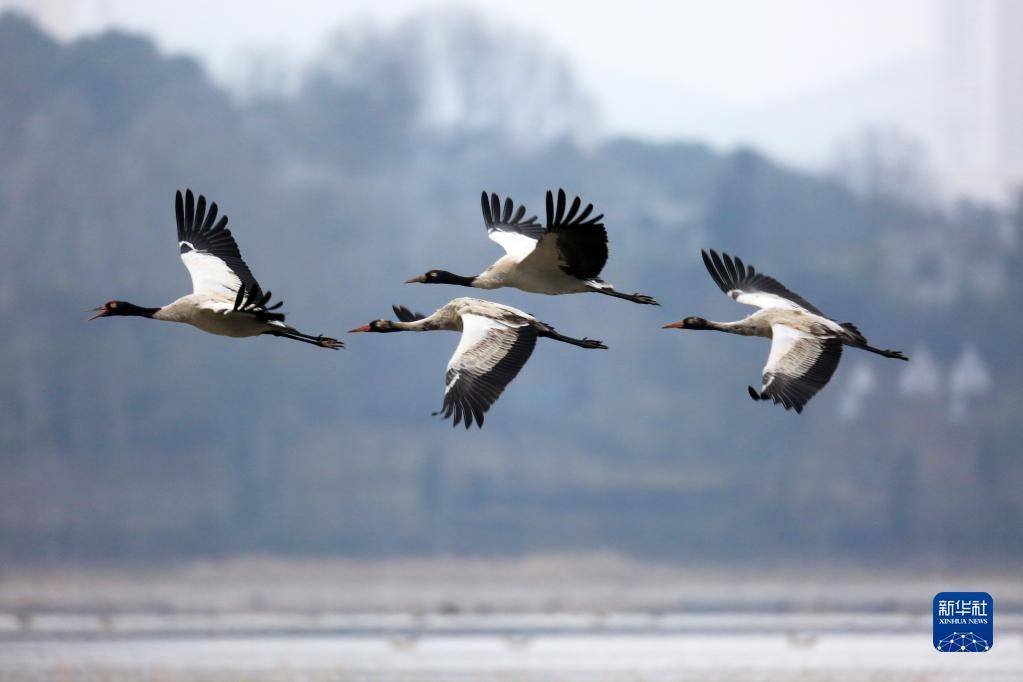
[445,277]
[130,310]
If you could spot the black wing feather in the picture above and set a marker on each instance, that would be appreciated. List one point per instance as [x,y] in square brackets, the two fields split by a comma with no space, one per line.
[197,231]
[582,241]
[254,303]
[732,274]
[406,315]
[510,220]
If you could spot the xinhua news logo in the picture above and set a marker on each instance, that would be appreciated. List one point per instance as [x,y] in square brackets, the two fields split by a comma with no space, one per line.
[964,622]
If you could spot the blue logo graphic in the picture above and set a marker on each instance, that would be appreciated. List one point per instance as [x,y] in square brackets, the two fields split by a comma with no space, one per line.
[964,622]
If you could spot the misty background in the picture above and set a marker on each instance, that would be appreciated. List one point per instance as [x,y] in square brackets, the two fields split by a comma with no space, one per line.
[352,167]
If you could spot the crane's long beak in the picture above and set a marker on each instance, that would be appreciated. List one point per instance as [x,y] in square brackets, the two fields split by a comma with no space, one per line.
[363,328]
[681,324]
[102,313]
[415,280]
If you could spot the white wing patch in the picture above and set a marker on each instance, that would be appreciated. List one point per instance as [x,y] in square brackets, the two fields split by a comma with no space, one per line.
[489,356]
[761,299]
[515,244]
[783,341]
[474,331]
[216,304]
[545,257]
[799,365]
[210,275]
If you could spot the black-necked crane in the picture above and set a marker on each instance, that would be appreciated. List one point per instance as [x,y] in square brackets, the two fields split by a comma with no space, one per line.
[226,299]
[806,344]
[496,342]
[565,256]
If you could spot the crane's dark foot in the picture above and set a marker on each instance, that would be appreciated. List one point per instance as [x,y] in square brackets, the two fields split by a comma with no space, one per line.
[896,354]
[604,288]
[643,299]
[327,342]
[548,331]
[753,393]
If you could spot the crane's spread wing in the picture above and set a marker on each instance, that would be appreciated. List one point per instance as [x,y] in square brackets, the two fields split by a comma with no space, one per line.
[507,226]
[744,284]
[573,241]
[489,355]
[406,315]
[798,366]
[210,252]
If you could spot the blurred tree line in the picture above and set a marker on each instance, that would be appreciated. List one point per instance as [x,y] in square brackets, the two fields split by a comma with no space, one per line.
[131,440]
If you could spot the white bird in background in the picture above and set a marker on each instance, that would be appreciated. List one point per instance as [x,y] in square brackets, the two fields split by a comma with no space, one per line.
[968,380]
[496,342]
[806,345]
[225,299]
[563,257]
[922,380]
[860,385]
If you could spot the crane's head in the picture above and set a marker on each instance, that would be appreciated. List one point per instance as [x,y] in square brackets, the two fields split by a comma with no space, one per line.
[688,323]
[430,277]
[116,308]
[379,326]
[441,277]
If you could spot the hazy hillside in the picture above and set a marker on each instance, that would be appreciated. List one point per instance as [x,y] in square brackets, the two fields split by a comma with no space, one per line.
[141,440]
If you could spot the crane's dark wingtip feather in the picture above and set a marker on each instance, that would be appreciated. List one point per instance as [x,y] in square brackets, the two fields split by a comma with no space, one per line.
[406,315]
[733,276]
[510,218]
[488,219]
[717,271]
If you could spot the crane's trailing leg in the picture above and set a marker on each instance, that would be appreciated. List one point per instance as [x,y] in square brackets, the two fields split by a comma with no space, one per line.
[582,343]
[896,354]
[321,341]
[635,298]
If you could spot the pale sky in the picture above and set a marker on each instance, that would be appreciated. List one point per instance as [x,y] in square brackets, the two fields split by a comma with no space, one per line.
[657,69]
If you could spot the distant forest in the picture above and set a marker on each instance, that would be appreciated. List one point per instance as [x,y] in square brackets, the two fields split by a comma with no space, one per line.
[135,440]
